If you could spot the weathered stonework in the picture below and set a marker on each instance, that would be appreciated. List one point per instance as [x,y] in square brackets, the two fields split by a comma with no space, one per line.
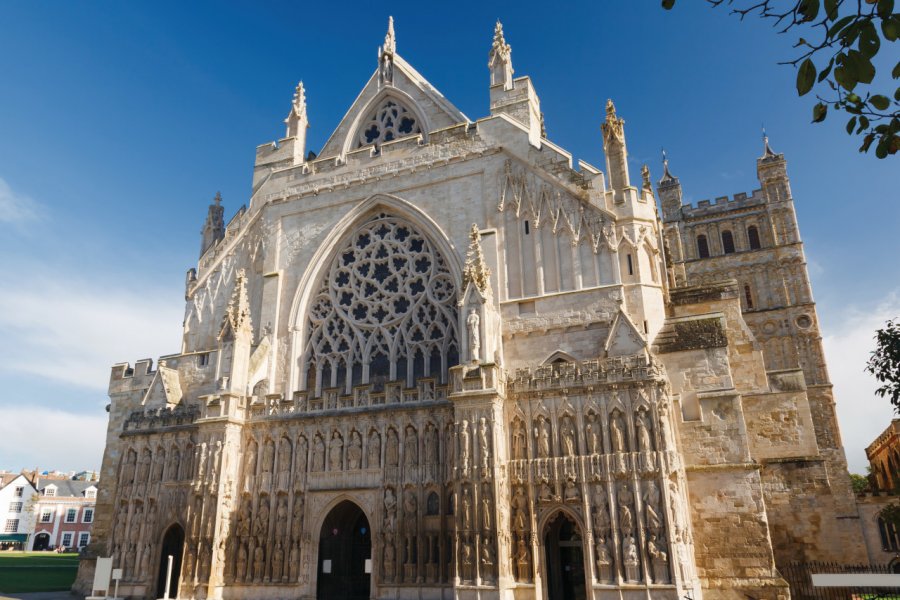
[438,361]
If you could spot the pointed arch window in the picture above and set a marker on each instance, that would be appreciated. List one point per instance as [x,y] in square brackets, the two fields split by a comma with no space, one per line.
[385,311]
[392,120]
[702,246]
[753,237]
[727,242]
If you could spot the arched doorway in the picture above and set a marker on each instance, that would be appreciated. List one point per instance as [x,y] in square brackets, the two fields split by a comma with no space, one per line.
[172,545]
[41,542]
[564,559]
[345,552]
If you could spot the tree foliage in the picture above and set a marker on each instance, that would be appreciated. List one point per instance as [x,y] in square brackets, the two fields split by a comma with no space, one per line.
[860,483]
[841,40]
[884,363]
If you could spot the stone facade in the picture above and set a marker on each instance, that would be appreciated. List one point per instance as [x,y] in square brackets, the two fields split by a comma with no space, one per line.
[437,360]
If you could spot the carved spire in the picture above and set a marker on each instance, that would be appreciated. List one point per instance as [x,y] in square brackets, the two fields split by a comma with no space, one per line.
[296,119]
[476,270]
[214,227]
[386,56]
[767,150]
[237,314]
[613,129]
[645,178]
[667,176]
[500,59]
[390,40]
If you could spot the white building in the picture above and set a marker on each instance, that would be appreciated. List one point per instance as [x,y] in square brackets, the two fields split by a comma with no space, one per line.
[17,496]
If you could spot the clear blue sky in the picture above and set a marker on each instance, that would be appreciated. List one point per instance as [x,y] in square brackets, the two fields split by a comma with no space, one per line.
[120,120]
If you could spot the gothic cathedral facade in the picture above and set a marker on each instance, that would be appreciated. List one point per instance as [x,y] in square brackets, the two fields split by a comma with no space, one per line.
[438,360]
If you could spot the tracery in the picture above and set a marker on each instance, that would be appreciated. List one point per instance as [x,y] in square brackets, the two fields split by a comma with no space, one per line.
[386,310]
[390,121]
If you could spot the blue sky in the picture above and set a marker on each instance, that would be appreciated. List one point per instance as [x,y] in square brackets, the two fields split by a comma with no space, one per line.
[120,120]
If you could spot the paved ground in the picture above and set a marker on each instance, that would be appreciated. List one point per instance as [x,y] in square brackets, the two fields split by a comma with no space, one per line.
[39,596]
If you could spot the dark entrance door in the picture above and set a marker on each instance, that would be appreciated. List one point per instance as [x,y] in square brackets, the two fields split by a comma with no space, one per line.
[345,545]
[41,542]
[172,544]
[565,560]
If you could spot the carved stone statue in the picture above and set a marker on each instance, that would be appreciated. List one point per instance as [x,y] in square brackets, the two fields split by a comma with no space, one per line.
[251,461]
[261,526]
[431,445]
[390,510]
[466,509]
[617,432]
[464,446]
[519,444]
[145,562]
[523,562]
[520,505]
[240,572]
[281,519]
[486,508]
[484,443]
[318,454]
[542,433]
[411,447]
[335,452]
[277,562]
[410,512]
[297,518]
[302,452]
[571,492]
[545,494]
[630,559]
[392,452]
[604,561]
[643,433]
[487,555]
[651,507]
[390,557]
[284,463]
[258,563]
[243,521]
[268,461]
[294,562]
[567,436]
[472,325]
[592,433]
[354,451]
[626,517]
[374,450]
[468,563]
[659,559]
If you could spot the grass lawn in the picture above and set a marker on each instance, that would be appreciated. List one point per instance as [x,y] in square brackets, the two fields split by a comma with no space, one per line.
[37,571]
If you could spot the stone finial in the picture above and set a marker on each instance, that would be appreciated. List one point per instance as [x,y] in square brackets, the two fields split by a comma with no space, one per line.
[767,150]
[476,270]
[613,127]
[218,199]
[645,178]
[390,40]
[214,226]
[237,314]
[386,56]
[296,120]
[500,59]
[298,104]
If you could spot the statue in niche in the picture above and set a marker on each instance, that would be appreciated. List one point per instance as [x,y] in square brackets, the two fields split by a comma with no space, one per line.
[604,560]
[651,507]
[158,465]
[592,433]
[464,446]
[487,555]
[431,445]
[258,563]
[571,492]
[567,436]
[172,466]
[392,452]
[281,519]
[466,508]
[268,456]
[215,462]
[261,526]
[129,563]
[467,562]
[411,447]
[643,431]
[630,559]
[294,562]
[390,557]
[150,522]
[519,444]
[486,509]
[374,450]
[679,516]
[251,461]
[617,432]
[240,571]
[302,452]
[523,564]
[128,469]
[390,509]
[297,517]
[243,524]
[626,518]
[145,562]
[335,452]
[654,551]
[136,519]
[484,443]
[665,428]
[601,516]
[277,561]
[284,464]
[542,433]
[354,451]
[203,563]
[472,322]
[520,505]
[144,467]
[450,445]
[411,522]
[545,494]
[189,559]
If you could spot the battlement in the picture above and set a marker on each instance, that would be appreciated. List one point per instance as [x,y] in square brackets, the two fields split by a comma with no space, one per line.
[587,373]
[885,437]
[723,204]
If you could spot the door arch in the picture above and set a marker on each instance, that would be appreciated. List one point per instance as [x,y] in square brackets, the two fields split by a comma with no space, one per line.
[172,544]
[564,559]
[41,542]
[345,550]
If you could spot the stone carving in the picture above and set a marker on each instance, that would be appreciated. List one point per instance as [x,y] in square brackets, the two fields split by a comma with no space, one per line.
[318,453]
[468,561]
[571,491]
[592,434]
[431,445]
[484,443]
[336,452]
[390,510]
[258,563]
[374,450]
[523,562]
[411,447]
[281,519]
[652,507]
[354,451]
[240,572]
[604,561]
[617,431]
[284,464]
[268,464]
[466,509]
[277,562]
[472,325]
[630,559]
[519,443]
[542,434]
[392,452]
[626,517]
[261,525]
[659,559]
[464,446]
[486,508]
[390,557]
[297,518]
[567,436]
[294,562]
[487,556]
[643,426]
[520,515]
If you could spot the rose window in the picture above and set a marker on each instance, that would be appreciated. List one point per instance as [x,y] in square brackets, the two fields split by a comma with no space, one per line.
[391,121]
[386,311]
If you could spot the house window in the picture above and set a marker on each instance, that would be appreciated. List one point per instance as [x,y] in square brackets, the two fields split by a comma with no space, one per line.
[50,491]
[83,539]
[66,540]
[88,516]
[702,247]
[46,515]
[203,359]
[12,525]
[15,507]
[19,491]
[92,493]
[70,515]
[630,264]
[890,541]
[753,237]
[748,296]
[727,242]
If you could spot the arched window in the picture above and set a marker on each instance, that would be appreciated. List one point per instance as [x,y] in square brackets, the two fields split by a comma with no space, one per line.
[390,121]
[702,247]
[727,242]
[748,296]
[890,540]
[386,310]
[753,237]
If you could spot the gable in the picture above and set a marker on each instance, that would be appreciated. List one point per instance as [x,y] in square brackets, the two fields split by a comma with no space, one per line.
[164,390]
[417,98]
[624,338]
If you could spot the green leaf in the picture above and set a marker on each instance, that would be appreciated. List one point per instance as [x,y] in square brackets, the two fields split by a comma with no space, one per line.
[890,27]
[809,9]
[867,141]
[885,8]
[844,78]
[896,72]
[668,4]
[824,73]
[820,111]
[897,94]
[869,43]
[840,25]
[851,124]
[880,102]
[863,124]
[806,76]
[831,9]
[860,66]
[881,150]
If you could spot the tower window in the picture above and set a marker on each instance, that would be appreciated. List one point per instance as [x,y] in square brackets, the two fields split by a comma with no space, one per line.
[702,247]
[727,242]
[630,264]
[748,296]
[753,237]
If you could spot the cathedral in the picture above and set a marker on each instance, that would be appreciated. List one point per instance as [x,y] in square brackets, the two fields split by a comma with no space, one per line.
[439,360]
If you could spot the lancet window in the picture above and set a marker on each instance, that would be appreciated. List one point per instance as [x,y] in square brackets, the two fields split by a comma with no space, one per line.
[385,311]
[390,121]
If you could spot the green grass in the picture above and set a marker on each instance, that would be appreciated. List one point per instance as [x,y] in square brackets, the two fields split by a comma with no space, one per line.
[37,571]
